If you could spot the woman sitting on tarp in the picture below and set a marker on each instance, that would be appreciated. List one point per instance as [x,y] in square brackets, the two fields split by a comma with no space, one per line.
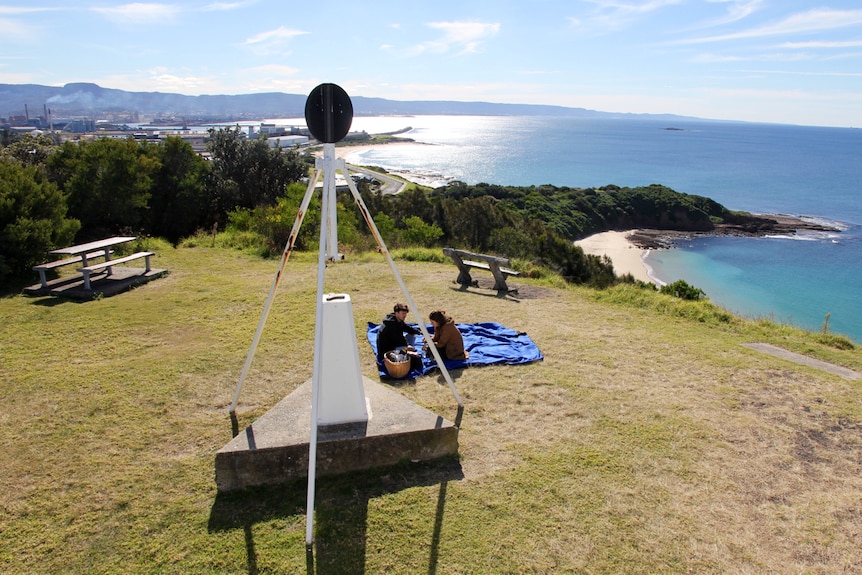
[446,337]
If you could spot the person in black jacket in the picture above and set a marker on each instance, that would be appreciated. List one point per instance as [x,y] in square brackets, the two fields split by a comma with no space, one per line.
[391,335]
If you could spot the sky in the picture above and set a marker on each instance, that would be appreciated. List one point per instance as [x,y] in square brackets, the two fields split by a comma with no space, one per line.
[782,61]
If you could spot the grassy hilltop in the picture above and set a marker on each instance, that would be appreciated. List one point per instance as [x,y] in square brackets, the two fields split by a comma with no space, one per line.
[649,440]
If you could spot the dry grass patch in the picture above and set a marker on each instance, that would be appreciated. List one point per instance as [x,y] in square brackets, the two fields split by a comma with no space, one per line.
[644,442]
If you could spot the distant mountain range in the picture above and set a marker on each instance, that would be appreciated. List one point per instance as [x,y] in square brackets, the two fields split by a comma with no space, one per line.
[94,102]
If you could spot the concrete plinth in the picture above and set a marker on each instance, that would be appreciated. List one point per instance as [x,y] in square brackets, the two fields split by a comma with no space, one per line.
[274,449]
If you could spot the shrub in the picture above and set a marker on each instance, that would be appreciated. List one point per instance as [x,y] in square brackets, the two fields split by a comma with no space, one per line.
[32,219]
[419,233]
[682,290]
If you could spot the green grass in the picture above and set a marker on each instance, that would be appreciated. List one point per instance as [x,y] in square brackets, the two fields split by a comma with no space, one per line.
[649,440]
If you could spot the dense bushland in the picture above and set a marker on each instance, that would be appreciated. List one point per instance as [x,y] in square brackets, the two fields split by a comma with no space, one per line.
[575,213]
[252,192]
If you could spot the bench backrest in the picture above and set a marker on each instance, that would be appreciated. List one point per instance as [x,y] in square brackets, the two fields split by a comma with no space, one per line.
[463,254]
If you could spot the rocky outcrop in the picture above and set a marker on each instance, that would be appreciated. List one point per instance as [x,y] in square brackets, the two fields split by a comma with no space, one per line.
[745,225]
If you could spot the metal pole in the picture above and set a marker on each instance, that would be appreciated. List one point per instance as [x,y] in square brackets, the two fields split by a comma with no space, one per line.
[288,248]
[411,304]
[331,215]
[318,359]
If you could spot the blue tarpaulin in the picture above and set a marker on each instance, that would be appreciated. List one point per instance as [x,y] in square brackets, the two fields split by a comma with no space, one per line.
[487,344]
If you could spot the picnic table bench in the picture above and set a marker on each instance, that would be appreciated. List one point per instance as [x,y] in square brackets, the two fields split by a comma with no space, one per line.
[109,263]
[84,285]
[468,260]
[78,259]
[79,254]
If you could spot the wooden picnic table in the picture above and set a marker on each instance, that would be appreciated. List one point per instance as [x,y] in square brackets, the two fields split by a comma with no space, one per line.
[83,250]
[83,256]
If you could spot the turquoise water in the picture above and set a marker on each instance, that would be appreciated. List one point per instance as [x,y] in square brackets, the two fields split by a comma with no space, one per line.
[761,168]
[797,282]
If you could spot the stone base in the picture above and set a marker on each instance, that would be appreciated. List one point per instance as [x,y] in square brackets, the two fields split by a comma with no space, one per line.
[274,449]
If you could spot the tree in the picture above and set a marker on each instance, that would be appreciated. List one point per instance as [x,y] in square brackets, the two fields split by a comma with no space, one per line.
[179,200]
[420,233]
[248,173]
[30,149]
[32,219]
[107,183]
[682,290]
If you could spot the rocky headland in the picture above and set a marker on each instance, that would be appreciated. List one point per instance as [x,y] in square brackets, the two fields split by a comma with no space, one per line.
[748,226]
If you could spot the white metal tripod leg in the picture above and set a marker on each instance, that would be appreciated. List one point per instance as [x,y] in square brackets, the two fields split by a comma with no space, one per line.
[315,378]
[340,164]
[288,248]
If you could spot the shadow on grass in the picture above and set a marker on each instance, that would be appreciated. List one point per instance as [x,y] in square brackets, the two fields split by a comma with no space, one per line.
[13,287]
[54,301]
[341,512]
[501,294]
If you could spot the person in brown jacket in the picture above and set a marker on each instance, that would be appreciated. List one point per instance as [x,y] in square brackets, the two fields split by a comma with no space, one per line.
[446,337]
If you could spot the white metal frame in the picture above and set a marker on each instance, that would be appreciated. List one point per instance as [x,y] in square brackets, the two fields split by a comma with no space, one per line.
[328,166]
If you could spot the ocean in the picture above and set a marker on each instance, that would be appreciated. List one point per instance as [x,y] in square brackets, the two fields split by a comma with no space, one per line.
[813,172]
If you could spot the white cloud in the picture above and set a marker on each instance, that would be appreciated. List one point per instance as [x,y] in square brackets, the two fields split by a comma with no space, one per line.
[718,58]
[167,82]
[611,15]
[460,37]
[225,6]
[15,77]
[14,30]
[274,70]
[161,80]
[760,57]
[822,44]
[140,13]
[738,10]
[20,29]
[812,21]
[274,36]
[804,73]
[15,10]
[271,41]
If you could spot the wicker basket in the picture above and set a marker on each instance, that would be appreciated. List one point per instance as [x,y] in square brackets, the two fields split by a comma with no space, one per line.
[398,369]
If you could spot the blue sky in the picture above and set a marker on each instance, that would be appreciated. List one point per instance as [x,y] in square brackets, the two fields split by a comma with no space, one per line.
[783,61]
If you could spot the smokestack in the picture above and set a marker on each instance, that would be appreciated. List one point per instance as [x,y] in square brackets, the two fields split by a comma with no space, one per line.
[26,113]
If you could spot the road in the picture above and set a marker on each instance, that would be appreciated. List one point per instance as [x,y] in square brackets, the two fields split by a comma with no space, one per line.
[388,184]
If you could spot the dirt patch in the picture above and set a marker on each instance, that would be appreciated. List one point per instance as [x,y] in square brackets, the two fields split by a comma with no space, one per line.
[485,287]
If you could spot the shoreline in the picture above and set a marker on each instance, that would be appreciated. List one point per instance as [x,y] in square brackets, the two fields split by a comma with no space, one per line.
[627,256]
[346,150]
[431,180]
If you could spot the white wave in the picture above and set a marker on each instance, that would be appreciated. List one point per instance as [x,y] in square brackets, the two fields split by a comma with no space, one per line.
[650,271]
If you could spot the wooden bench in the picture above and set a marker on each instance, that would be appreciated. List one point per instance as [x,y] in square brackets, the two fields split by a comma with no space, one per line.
[42,268]
[110,263]
[468,260]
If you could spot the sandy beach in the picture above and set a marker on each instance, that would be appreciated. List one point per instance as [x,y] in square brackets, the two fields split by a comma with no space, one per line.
[344,151]
[627,257]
